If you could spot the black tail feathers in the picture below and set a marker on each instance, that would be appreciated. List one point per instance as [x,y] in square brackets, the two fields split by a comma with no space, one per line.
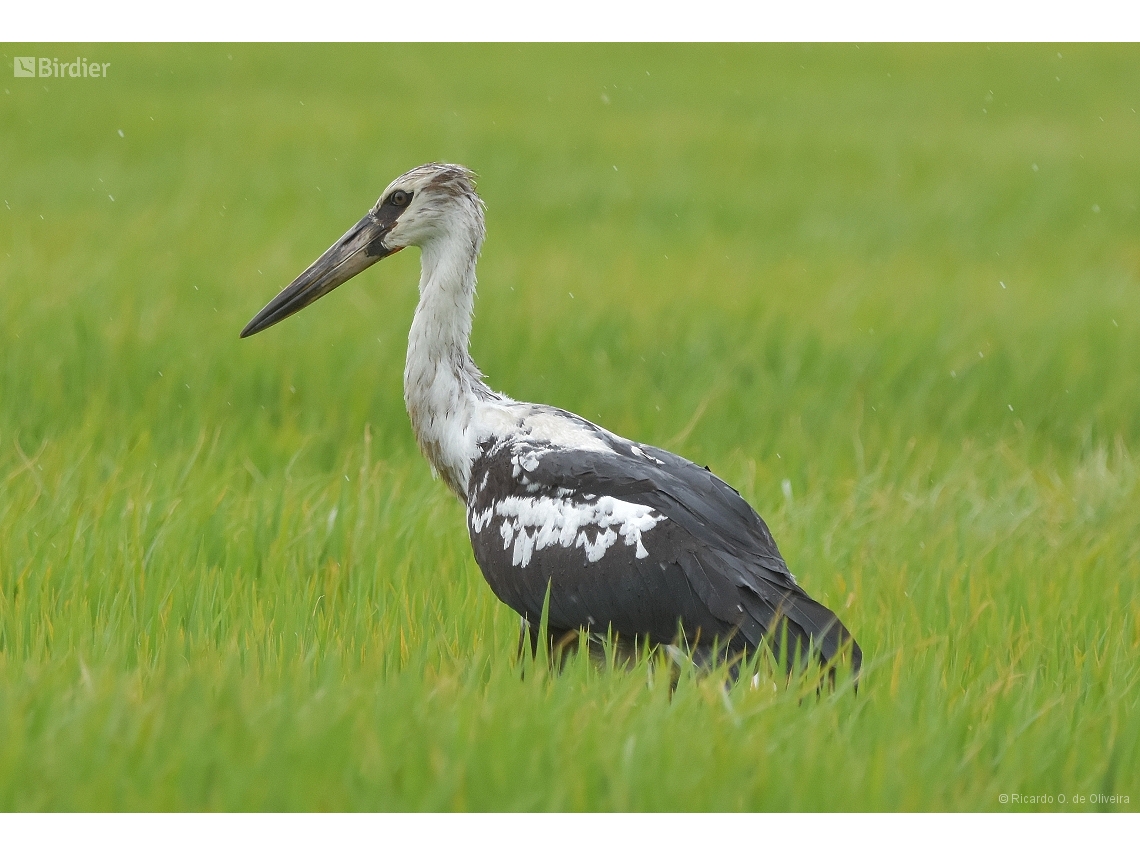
[803,627]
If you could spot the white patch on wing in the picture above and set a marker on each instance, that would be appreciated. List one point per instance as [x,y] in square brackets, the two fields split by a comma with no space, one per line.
[605,539]
[533,523]
[525,462]
[506,419]
[639,452]
[541,425]
[480,520]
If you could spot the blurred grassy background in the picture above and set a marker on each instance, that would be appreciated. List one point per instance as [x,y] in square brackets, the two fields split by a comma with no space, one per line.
[888,292]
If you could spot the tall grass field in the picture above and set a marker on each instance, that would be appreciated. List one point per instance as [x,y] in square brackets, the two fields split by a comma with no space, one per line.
[889,293]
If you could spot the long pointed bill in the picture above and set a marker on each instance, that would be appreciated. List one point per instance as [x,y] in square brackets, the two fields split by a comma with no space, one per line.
[361,247]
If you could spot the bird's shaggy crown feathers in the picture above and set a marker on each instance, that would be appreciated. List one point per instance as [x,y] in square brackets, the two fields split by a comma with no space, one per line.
[436,180]
[444,204]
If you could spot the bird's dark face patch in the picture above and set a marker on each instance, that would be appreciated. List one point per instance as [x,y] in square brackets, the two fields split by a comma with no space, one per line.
[386,215]
[376,249]
[394,204]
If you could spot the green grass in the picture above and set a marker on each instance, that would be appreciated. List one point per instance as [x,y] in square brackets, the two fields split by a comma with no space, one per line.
[228,582]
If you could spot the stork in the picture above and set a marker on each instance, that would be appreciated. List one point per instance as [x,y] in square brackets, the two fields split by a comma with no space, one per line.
[623,538]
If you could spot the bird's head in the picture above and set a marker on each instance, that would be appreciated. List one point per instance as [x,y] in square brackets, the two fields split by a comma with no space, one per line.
[424,206]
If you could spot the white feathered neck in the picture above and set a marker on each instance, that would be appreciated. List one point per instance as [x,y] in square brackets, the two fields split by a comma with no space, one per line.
[442,386]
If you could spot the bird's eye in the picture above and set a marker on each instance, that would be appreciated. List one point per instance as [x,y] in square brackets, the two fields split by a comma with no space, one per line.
[400,198]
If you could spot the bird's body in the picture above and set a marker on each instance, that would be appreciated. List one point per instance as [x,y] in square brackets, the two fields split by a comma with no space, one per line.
[622,537]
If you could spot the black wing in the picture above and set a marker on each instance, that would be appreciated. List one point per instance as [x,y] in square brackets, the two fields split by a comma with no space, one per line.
[696,557]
